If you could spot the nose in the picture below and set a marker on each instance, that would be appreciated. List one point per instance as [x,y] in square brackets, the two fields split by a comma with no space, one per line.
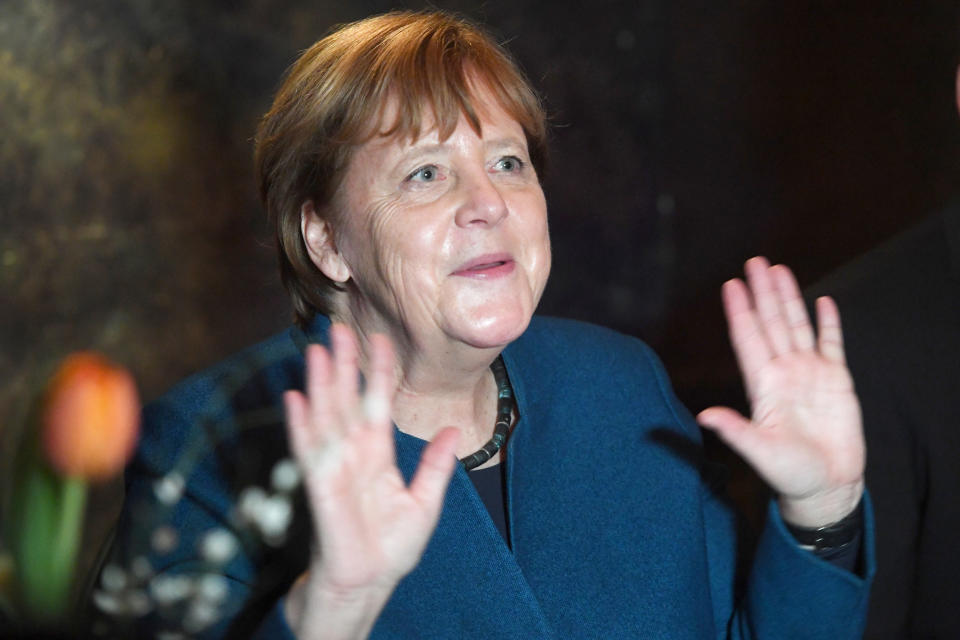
[482,202]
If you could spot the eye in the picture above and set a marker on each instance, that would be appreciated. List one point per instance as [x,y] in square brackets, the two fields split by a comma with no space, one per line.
[426,173]
[510,164]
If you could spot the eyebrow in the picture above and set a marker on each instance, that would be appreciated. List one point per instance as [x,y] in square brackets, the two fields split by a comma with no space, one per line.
[497,144]
[426,148]
[505,143]
[416,152]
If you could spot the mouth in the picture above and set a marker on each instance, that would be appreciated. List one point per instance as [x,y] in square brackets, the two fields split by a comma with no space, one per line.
[487,266]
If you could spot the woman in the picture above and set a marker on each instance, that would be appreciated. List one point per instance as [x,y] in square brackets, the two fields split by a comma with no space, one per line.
[400,163]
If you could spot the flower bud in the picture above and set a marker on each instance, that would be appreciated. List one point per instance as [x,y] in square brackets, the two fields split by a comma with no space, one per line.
[91,417]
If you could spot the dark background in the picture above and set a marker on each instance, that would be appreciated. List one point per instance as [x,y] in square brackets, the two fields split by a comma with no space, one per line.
[687,137]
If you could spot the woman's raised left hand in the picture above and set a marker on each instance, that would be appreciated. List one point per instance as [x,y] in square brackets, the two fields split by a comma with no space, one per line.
[805,435]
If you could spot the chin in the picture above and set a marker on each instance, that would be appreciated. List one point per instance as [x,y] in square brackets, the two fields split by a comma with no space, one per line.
[489,331]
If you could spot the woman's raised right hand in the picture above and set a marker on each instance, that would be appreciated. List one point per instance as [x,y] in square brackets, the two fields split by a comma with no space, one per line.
[371,527]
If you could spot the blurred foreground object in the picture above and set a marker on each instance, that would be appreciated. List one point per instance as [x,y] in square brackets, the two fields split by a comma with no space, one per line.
[90,417]
[82,429]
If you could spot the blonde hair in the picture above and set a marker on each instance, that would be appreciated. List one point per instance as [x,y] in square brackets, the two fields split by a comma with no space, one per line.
[331,101]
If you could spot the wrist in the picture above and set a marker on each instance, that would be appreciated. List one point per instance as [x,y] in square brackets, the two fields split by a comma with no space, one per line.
[316,609]
[823,509]
[831,538]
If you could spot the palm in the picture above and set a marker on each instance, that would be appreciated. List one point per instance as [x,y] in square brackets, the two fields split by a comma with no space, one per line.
[805,436]
[805,407]
[371,527]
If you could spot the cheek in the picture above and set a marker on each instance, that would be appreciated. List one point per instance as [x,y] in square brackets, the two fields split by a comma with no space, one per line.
[366,246]
[546,260]
[409,254]
[537,241]
[541,271]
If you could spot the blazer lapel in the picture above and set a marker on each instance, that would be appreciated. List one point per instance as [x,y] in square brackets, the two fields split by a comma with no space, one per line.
[467,583]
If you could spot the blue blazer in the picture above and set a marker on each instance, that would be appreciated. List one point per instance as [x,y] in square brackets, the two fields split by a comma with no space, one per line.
[617,529]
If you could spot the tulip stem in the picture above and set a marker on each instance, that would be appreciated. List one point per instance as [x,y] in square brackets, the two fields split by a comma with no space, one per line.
[69,533]
[50,528]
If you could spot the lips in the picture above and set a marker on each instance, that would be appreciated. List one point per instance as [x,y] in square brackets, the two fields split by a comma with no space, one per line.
[491,265]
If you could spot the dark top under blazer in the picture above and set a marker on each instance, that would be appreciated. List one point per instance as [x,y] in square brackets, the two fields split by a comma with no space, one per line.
[615,531]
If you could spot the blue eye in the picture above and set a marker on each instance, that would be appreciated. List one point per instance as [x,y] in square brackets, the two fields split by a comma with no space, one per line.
[510,164]
[427,173]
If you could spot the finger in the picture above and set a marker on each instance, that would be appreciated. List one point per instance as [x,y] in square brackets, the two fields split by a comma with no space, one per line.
[748,342]
[296,411]
[795,311]
[346,374]
[319,394]
[345,359]
[429,484]
[829,331]
[381,384]
[767,302]
[722,420]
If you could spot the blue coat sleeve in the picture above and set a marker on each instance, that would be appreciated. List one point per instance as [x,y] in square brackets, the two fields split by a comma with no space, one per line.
[791,592]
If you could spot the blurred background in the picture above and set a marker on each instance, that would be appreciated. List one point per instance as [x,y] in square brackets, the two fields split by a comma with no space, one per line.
[687,137]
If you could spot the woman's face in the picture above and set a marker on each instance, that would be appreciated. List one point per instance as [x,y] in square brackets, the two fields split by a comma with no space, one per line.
[445,239]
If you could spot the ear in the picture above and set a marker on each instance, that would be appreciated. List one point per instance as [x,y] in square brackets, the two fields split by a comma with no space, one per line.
[318,238]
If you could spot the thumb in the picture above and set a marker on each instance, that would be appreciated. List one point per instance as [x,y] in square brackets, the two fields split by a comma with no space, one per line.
[429,484]
[751,443]
[728,424]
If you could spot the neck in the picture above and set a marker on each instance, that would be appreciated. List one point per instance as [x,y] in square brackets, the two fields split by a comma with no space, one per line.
[439,384]
[472,411]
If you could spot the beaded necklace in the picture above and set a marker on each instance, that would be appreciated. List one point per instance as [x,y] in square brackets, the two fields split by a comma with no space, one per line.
[501,429]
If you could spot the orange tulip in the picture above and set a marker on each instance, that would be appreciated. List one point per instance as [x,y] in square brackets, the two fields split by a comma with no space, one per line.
[91,417]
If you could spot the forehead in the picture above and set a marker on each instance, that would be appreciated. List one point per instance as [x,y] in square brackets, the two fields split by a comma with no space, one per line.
[389,153]
[493,123]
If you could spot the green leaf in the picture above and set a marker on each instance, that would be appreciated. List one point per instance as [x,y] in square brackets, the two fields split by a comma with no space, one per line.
[44,529]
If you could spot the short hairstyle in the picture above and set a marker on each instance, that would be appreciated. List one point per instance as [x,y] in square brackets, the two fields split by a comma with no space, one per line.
[331,101]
